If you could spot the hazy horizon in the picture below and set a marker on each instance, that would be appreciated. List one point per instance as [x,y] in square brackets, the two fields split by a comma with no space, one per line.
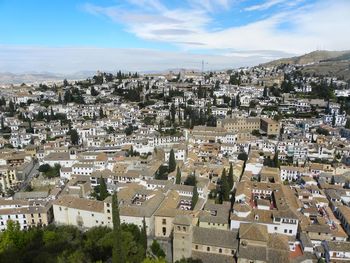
[66,37]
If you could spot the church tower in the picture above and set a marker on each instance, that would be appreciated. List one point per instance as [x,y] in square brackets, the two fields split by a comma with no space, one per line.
[182,238]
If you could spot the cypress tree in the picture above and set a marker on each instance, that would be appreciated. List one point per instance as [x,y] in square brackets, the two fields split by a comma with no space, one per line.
[276,160]
[265,93]
[194,197]
[2,123]
[117,252]
[12,107]
[238,102]
[172,112]
[101,113]
[333,119]
[143,237]
[178,176]
[225,188]
[74,137]
[52,114]
[103,189]
[172,161]
[230,177]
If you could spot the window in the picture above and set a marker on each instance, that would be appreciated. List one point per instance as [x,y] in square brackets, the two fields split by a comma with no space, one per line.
[92,215]
[285,231]
[184,228]
[108,211]
[276,228]
[196,247]
[164,231]
[220,250]
[290,231]
[164,221]
[208,248]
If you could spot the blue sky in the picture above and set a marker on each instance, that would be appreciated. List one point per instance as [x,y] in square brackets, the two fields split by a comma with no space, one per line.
[34,32]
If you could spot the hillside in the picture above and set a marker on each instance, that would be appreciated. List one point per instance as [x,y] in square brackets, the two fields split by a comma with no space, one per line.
[325,63]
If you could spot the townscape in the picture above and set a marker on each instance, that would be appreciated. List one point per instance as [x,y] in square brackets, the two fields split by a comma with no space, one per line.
[246,165]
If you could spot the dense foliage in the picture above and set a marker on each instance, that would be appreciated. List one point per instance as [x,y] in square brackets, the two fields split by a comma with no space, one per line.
[49,171]
[68,244]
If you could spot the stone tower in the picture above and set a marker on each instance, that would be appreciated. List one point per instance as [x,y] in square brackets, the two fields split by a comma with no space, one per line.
[182,238]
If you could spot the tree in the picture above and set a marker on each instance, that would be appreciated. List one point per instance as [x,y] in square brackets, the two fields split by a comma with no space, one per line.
[44,168]
[172,161]
[230,177]
[242,156]
[238,100]
[128,130]
[162,173]
[30,129]
[333,119]
[52,115]
[65,244]
[2,123]
[256,133]
[224,188]
[322,131]
[103,190]
[143,237]
[194,197]
[118,255]
[12,107]
[157,250]
[172,112]
[59,98]
[93,92]
[2,101]
[265,93]
[191,180]
[74,137]
[101,113]
[276,161]
[178,176]
[65,83]
[67,96]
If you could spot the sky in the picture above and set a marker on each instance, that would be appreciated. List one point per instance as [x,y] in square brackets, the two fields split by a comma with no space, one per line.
[67,36]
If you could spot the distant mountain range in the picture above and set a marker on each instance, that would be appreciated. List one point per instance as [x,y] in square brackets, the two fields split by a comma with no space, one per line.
[322,62]
[34,77]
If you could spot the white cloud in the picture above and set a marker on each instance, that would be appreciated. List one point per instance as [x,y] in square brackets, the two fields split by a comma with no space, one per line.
[297,31]
[211,5]
[264,6]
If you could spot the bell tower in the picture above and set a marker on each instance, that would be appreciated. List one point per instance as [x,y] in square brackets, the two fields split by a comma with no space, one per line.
[182,238]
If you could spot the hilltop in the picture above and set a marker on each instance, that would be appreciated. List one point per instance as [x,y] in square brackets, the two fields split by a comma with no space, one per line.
[321,62]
